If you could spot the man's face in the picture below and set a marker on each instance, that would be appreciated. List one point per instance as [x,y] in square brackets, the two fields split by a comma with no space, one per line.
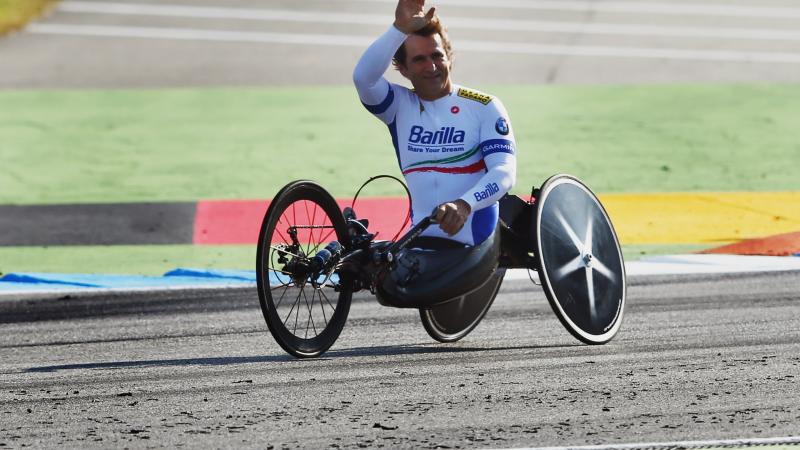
[427,66]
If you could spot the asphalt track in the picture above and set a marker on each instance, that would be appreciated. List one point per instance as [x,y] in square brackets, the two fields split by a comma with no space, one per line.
[698,358]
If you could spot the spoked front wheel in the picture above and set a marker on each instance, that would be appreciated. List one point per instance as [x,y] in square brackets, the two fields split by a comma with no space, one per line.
[303,303]
[580,260]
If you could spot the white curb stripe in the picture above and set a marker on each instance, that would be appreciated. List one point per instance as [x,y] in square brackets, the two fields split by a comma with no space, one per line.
[453,22]
[363,41]
[661,265]
[678,444]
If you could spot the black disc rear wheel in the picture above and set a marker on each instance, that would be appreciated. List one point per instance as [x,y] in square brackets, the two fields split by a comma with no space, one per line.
[453,320]
[580,260]
[305,308]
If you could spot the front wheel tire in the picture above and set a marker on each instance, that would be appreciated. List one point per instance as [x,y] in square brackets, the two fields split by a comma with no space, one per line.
[304,313]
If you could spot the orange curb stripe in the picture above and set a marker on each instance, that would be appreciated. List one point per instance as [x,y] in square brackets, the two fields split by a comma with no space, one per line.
[781,245]
[704,218]
[712,218]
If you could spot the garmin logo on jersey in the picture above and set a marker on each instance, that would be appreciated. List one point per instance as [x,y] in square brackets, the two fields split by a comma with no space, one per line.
[486,193]
[445,135]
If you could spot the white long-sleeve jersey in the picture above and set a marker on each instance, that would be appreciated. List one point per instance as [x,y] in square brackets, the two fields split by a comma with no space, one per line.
[460,146]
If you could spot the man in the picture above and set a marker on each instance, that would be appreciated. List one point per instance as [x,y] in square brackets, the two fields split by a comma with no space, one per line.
[454,145]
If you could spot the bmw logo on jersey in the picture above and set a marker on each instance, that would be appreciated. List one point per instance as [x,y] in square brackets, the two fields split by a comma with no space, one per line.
[501,126]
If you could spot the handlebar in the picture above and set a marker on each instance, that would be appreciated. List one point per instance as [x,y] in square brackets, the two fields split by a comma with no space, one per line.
[401,243]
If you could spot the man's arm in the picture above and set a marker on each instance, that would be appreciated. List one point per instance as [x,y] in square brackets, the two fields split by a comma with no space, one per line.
[500,178]
[374,90]
[499,154]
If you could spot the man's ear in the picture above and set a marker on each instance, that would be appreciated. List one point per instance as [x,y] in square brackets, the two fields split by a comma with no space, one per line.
[402,69]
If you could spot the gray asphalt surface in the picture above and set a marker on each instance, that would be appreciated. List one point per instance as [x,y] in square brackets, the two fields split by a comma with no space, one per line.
[704,358]
[496,42]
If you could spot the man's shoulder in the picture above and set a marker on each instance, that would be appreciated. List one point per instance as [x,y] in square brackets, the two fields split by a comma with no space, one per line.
[474,95]
[404,93]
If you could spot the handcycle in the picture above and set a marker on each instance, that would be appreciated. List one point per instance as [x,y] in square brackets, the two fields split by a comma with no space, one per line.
[312,256]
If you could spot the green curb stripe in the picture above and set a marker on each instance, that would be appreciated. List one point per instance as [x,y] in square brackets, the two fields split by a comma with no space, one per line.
[452,159]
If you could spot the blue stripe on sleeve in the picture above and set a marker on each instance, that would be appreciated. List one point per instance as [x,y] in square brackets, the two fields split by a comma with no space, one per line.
[484,222]
[497,146]
[393,131]
[382,106]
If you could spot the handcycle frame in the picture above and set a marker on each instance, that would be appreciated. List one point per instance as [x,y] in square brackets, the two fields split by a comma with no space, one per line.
[588,305]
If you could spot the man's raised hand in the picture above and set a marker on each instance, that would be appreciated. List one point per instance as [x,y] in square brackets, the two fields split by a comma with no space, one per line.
[410,15]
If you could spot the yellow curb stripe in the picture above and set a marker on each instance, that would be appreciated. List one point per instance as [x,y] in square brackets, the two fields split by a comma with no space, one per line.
[709,218]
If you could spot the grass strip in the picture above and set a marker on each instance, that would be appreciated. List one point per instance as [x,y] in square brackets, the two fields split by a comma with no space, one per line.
[125,259]
[61,146]
[14,14]
[158,259]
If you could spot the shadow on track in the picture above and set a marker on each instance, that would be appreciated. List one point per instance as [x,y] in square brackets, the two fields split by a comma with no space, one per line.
[394,350]
[385,350]
[222,361]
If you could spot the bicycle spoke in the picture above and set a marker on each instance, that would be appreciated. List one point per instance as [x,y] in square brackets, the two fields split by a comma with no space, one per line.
[322,307]
[305,206]
[297,314]
[310,319]
[296,302]
[287,285]
[280,300]
[278,230]
[277,271]
[284,251]
[310,311]
[324,239]
[313,224]
[294,214]
[329,302]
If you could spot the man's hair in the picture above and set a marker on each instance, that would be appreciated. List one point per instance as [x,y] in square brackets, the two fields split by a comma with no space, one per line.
[433,27]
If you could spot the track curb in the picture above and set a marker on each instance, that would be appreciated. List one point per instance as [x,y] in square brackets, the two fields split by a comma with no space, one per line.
[80,304]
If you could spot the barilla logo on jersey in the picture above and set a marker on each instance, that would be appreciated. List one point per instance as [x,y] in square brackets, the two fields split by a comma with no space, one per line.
[444,136]
[490,190]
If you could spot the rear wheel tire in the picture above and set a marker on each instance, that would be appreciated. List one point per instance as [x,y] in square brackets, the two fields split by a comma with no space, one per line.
[304,313]
[455,319]
[580,261]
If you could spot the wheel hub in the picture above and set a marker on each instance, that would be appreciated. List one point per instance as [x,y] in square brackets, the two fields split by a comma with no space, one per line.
[588,259]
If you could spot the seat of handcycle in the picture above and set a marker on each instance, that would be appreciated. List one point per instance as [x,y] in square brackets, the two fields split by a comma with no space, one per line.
[431,271]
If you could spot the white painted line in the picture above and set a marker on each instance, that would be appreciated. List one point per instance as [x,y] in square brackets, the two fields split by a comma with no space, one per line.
[672,9]
[200,35]
[660,265]
[693,265]
[363,41]
[702,264]
[453,22]
[678,444]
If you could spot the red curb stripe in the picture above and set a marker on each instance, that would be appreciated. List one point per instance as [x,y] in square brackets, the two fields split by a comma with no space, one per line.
[220,222]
